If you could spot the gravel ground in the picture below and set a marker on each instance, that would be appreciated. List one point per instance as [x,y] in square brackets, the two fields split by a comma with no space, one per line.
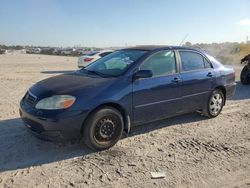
[191,150]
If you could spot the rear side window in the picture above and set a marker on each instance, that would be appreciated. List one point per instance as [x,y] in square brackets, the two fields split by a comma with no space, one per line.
[161,63]
[191,61]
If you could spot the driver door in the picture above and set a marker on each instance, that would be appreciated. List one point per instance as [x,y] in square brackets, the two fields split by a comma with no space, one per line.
[157,97]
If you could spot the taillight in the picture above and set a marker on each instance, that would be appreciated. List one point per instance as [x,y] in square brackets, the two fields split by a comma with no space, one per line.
[88,59]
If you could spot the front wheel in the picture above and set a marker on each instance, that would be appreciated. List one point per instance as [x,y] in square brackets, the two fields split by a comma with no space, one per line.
[214,104]
[245,75]
[103,129]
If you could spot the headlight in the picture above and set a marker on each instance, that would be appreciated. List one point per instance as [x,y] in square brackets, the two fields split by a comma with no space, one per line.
[56,102]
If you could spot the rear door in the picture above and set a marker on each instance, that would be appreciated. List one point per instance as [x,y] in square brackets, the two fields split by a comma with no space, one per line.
[160,96]
[198,78]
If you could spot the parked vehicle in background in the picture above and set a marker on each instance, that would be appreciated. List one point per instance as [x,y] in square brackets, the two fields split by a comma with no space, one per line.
[245,73]
[85,60]
[67,51]
[33,50]
[2,51]
[126,88]
[47,51]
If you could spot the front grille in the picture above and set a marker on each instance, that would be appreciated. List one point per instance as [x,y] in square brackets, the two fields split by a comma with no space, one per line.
[30,98]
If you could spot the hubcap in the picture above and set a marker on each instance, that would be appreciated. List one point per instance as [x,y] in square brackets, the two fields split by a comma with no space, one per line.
[105,130]
[216,104]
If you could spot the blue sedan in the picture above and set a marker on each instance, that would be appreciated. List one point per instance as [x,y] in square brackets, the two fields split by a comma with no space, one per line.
[126,88]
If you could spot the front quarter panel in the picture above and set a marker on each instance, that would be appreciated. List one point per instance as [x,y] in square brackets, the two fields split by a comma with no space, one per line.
[117,91]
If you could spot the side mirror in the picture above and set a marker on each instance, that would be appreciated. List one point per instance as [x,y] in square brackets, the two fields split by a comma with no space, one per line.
[142,74]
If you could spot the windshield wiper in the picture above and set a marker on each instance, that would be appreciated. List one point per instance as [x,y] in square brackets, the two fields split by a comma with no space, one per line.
[97,73]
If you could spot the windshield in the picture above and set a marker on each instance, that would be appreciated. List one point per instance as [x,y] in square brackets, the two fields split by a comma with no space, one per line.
[115,63]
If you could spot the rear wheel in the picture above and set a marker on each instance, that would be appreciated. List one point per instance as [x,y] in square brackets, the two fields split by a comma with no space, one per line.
[214,104]
[103,129]
[245,75]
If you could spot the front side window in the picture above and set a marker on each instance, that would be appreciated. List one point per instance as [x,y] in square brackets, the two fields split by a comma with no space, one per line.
[191,61]
[161,63]
[207,64]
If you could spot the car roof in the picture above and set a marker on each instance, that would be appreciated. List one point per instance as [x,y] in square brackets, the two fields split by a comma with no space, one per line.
[161,47]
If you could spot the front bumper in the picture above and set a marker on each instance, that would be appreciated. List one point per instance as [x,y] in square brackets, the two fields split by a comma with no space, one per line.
[52,125]
[81,64]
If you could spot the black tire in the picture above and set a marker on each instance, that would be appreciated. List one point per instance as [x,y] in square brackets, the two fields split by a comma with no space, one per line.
[211,112]
[245,76]
[103,129]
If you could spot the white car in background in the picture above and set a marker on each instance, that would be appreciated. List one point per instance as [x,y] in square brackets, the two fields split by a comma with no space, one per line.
[85,60]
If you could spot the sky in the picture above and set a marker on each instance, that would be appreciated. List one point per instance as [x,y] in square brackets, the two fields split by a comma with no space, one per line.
[112,23]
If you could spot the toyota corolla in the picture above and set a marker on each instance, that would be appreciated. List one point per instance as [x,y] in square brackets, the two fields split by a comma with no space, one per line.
[126,88]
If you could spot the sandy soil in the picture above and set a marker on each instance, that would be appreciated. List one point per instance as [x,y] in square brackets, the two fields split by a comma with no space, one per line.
[193,151]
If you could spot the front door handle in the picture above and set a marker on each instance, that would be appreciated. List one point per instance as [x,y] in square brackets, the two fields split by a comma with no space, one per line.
[209,74]
[176,80]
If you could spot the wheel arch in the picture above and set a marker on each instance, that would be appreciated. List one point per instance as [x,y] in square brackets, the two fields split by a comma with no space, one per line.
[120,108]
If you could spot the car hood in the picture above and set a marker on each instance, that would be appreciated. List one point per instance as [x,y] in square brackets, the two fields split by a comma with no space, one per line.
[71,84]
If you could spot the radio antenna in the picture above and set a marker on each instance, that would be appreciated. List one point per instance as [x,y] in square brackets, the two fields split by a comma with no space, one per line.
[185,37]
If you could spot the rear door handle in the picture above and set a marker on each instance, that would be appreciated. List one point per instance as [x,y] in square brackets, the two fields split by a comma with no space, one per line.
[209,74]
[176,80]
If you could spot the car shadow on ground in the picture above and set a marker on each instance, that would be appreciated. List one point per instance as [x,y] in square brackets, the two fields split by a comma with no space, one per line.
[58,72]
[20,149]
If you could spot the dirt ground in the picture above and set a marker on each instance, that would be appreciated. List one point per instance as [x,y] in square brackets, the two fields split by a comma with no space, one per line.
[192,150]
